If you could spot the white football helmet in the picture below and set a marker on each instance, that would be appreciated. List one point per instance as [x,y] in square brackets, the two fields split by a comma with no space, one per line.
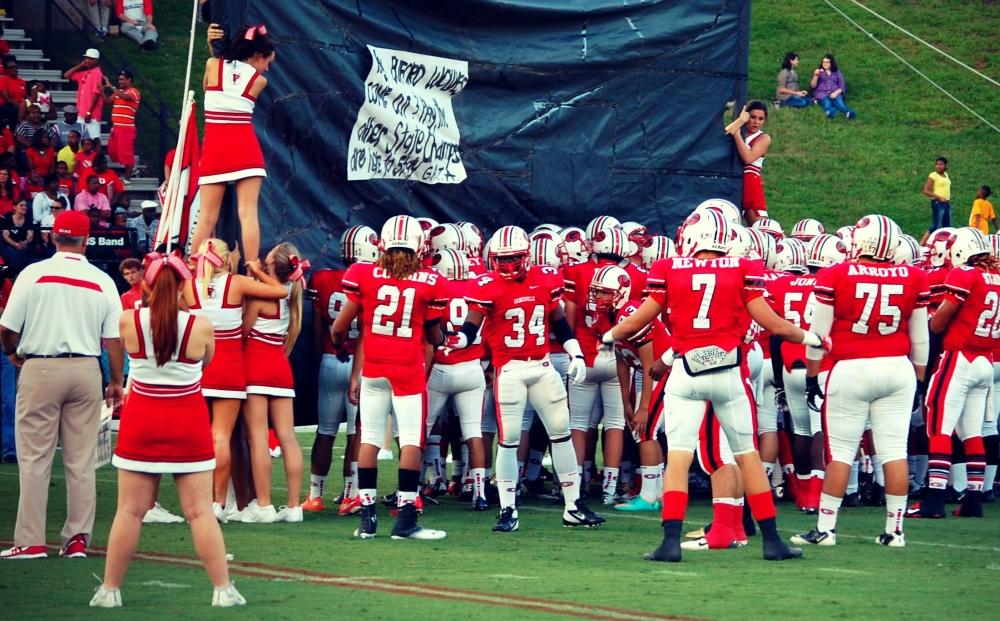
[825,250]
[706,230]
[546,226]
[472,237]
[545,249]
[600,223]
[612,241]
[875,236]
[445,236]
[909,251]
[612,280]
[659,247]
[965,243]
[509,251]
[730,212]
[790,256]
[402,232]
[770,226]
[637,234]
[740,245]
[764,246]
[807,229]
[994,242]
[453,264]
[937,246]
[574,247]
[359,244]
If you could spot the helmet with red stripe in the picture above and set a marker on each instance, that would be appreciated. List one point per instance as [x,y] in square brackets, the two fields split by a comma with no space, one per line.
[994,241]
[600,223]
[574,248]
[545,249]
[445,236]
[876,237]
[740,246]
[610,288]
[610,241]
[790,256]
[402,232]
[729,211]
[763,246]
[909,251]
[807,228]
[472,239]
[844,232]
[359,244]
[509,251]
[706,230]
[965,243]
[937,246]
[427,224]
[452,263]
[658,247]
[547,226]
[825,250]
[637,234]
[770,226]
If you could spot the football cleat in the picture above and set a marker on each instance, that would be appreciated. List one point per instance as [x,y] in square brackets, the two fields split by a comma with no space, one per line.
[75,547]
[433,490]
[106,598]
[454,487]
[406,526]
[816,537]
[891,540]
[698,533]
[968,510]
[608,500]
[778,550]
[638,504]
[224,597]
[919,510]
[668,552]
[480,504]
[389,500]
[369,523]
[350,506]
[313,505]
[507,521]
[702,544]
[581,515]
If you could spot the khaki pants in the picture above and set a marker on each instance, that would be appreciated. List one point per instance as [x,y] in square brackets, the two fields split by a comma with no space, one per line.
[57,399]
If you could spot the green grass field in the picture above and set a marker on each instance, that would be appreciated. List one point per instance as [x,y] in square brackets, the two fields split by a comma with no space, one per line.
[945,570]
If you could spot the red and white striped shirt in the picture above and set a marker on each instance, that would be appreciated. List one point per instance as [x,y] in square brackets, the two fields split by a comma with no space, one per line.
[123,111]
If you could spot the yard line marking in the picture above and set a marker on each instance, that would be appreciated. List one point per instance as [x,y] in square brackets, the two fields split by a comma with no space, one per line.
[512,577]
[838,570]
[396,587]
[165,585]
[685,574]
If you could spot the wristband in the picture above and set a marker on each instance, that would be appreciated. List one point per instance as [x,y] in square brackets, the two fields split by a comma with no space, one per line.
[608,337]
[668,357]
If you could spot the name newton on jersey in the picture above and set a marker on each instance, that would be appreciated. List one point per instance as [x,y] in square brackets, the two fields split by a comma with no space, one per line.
[685,262]
[424,277]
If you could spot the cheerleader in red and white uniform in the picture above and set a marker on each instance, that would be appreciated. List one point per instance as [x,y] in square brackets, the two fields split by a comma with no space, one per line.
[218,295]
[230,151]
[165,430]
[271,327]
[752,148]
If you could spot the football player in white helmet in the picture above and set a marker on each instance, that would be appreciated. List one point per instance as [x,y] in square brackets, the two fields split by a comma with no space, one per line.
[909,252]
[445,236]
[575,246]
[807,228]
[659,247]
[600,223]
[728,210]
[770,226]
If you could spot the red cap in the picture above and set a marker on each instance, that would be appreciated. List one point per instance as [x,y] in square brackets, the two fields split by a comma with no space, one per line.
[72,224]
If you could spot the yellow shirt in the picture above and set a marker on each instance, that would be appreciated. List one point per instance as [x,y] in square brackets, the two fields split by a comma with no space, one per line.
[983,208]
[942,185]
[67,155]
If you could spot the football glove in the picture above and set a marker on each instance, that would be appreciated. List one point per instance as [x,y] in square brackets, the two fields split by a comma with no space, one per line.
[814,394]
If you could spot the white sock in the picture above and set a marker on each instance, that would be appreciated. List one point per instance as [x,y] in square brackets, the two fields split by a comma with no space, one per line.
[231,495]
[610,484]
[768,469]
[405,498]
[351,482]
[958,478]
[895,508]
[852,481]
[368,496]
[829,507]
[877,469]
[478,482]
[534,466]
[651,482]
[506,463]
[564,463]
[316,482]
[819,474]
[989,478]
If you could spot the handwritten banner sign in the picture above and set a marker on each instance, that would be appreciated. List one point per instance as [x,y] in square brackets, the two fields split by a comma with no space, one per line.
[406,128]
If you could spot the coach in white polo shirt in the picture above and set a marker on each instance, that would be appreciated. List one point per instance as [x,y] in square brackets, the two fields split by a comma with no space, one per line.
[57,314]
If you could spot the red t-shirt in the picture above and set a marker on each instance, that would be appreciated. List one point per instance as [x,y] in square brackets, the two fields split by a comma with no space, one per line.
[84,163]
[6,206]
[17,86]
[517,313]
[706,299]
[110,182]
[975,328]
[872,305]
[42,163]
[132,298]
[31,189]
[7,141]
[67,185]
[330,300]
[454,317]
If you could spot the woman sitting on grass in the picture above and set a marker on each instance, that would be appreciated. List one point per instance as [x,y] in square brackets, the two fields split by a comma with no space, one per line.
[829,88]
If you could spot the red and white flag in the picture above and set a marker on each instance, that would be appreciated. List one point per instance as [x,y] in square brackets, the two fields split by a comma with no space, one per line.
[180,207]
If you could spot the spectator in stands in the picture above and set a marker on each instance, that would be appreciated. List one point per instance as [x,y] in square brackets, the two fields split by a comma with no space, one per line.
[131,270]
[8,386]
[84,158]
[7,142]
[119,219]
[938,189]
[982,211]
[13,91]
[4,46]
[26,130]
[91,197]
[788,92]
[124,100]
[105,219]
[40,96]
[17,237]
[70,122]
[59,206]
[8,192]
[33,185]
[42,155]
[67,154]
[111,183]
[99,12]
[146,225]
[136,17]
[43,202]
[67,185]
[829,88]
[88,77]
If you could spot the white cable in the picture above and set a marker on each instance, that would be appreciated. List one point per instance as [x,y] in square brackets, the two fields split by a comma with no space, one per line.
[915,70]
[939,51]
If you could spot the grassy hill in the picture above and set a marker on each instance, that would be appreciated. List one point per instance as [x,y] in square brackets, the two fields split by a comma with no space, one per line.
[835,171]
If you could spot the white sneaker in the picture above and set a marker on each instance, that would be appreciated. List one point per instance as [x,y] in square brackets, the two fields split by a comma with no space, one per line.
[220,513]
[891,540]
[159,515]
[384,454]
[227,596]
[275,452]
[256,514]
[234,514]
[289,514]
[106,598]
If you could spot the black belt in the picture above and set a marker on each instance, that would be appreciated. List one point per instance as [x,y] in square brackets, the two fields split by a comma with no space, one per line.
[33,356]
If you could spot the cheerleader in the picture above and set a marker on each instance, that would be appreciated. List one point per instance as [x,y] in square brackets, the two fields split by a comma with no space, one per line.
[271,327]
[165,430]
[218,295]
[230,151]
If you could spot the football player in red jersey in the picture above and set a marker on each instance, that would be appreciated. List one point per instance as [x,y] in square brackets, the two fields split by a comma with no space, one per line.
[457,375]
[357,245]
[401,305]
[876,315]
[710,298]
[520,304]
[958,391]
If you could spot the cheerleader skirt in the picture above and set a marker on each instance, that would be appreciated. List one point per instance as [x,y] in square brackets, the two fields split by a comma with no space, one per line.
[268,371]
[225,375]
[230,152]
[165,435]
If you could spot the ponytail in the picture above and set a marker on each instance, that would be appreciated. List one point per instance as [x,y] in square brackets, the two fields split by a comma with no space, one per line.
[163,310]
[247,42]
[289,268]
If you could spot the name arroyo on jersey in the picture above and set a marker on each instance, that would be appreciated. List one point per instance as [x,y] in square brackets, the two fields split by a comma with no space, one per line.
[856,269]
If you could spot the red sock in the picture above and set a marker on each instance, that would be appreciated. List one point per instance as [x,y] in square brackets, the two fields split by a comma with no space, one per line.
[803,489]
[762,506]
[272,440]
[736,519]
[674,505]
[815,489]
[721,534]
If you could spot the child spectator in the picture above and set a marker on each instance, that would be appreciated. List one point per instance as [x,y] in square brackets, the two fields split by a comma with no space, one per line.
[39,95]
[111,183]
[91,198]
[788,92]
[84,158]
[982,211]
[829,88]
[938,189]
[41,156]
[67,185]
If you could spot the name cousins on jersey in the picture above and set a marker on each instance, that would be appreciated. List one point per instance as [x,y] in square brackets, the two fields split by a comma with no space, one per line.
[424,277]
